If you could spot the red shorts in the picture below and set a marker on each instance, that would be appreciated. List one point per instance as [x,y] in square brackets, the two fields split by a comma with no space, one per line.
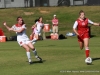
[82,37]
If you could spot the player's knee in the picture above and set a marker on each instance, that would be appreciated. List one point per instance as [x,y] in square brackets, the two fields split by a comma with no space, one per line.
[27,49]
[33,48]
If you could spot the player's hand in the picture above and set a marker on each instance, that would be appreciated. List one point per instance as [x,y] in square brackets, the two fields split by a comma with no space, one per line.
[4,23]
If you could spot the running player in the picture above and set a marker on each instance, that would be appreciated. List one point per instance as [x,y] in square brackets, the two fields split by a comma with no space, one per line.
[37,28]
[22,38]
[81,29]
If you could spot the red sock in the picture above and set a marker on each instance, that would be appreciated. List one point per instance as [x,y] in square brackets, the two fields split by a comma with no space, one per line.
[87,53]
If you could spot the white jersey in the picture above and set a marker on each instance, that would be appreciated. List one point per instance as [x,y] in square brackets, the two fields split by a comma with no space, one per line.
[39,26]
[21,36]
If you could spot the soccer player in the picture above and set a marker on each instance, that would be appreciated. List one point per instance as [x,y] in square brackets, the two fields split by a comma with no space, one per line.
[22,38]
[37,28]
[81,29]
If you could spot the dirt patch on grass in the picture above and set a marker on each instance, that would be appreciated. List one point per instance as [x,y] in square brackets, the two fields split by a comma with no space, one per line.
[28,13]
[44,12]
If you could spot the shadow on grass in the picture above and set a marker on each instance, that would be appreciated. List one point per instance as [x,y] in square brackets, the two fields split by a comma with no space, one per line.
[91,36]
[35,62]
[94,59]
[38,61]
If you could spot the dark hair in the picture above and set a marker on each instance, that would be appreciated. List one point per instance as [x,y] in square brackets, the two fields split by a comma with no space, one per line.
[81,11]
[39,18]
[36,20]
[22,19]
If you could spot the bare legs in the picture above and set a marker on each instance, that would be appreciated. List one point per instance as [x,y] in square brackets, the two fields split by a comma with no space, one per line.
[85,44]
[29,46]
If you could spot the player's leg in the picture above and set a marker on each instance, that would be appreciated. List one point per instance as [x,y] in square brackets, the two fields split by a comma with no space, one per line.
[86,45]
[34,51]
[35,38]
[27,52]
[81,44]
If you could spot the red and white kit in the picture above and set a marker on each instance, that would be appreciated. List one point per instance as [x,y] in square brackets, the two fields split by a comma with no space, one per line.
[82,28]
[22,38]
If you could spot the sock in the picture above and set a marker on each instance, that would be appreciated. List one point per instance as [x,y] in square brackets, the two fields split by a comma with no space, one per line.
[35,53]
[28,56]
[87,53]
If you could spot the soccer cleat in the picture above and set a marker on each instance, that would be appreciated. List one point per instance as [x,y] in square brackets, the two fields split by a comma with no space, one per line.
[40,59]
[30,63]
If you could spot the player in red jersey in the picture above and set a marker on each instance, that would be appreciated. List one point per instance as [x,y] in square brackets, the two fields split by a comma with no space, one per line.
[81,29]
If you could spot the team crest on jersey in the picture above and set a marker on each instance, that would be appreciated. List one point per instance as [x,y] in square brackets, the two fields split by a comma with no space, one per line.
[21,42]
[83,23]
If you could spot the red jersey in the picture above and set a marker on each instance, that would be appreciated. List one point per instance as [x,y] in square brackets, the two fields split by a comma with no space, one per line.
[55,22]
[82,26]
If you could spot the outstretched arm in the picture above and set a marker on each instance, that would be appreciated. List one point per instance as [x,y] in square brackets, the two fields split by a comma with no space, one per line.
[5,24]
[93,23]
[96,24]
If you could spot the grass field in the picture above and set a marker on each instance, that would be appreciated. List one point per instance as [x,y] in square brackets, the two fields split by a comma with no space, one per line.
[66,16]
[60,57]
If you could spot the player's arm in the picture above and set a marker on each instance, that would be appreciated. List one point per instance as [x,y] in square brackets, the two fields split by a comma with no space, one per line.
[33,26]
[93,23]
[19,31]
[75,27]
[57,21]
[96,24]
[5,24]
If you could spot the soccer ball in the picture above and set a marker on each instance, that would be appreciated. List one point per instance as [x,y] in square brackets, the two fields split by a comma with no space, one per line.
[88,60]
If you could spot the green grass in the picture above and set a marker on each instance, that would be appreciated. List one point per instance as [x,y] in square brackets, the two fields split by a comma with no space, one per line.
[66,16]
[60,57]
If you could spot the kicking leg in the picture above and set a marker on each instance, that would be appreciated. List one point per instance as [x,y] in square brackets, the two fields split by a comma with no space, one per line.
[34,51]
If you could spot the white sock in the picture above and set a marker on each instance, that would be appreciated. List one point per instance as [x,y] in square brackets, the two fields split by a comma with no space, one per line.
[28,56]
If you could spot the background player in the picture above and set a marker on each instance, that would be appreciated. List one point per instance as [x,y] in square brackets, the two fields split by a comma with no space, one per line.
[37,28]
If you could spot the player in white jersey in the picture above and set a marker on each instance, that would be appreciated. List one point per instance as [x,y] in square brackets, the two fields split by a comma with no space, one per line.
[37,28]
[39,24]
[23,39]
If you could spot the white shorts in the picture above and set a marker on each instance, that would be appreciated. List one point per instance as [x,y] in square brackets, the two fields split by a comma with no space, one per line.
[37,32]
[23,41]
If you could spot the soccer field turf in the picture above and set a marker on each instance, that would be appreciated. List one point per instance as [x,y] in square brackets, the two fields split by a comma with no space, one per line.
[60,57]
